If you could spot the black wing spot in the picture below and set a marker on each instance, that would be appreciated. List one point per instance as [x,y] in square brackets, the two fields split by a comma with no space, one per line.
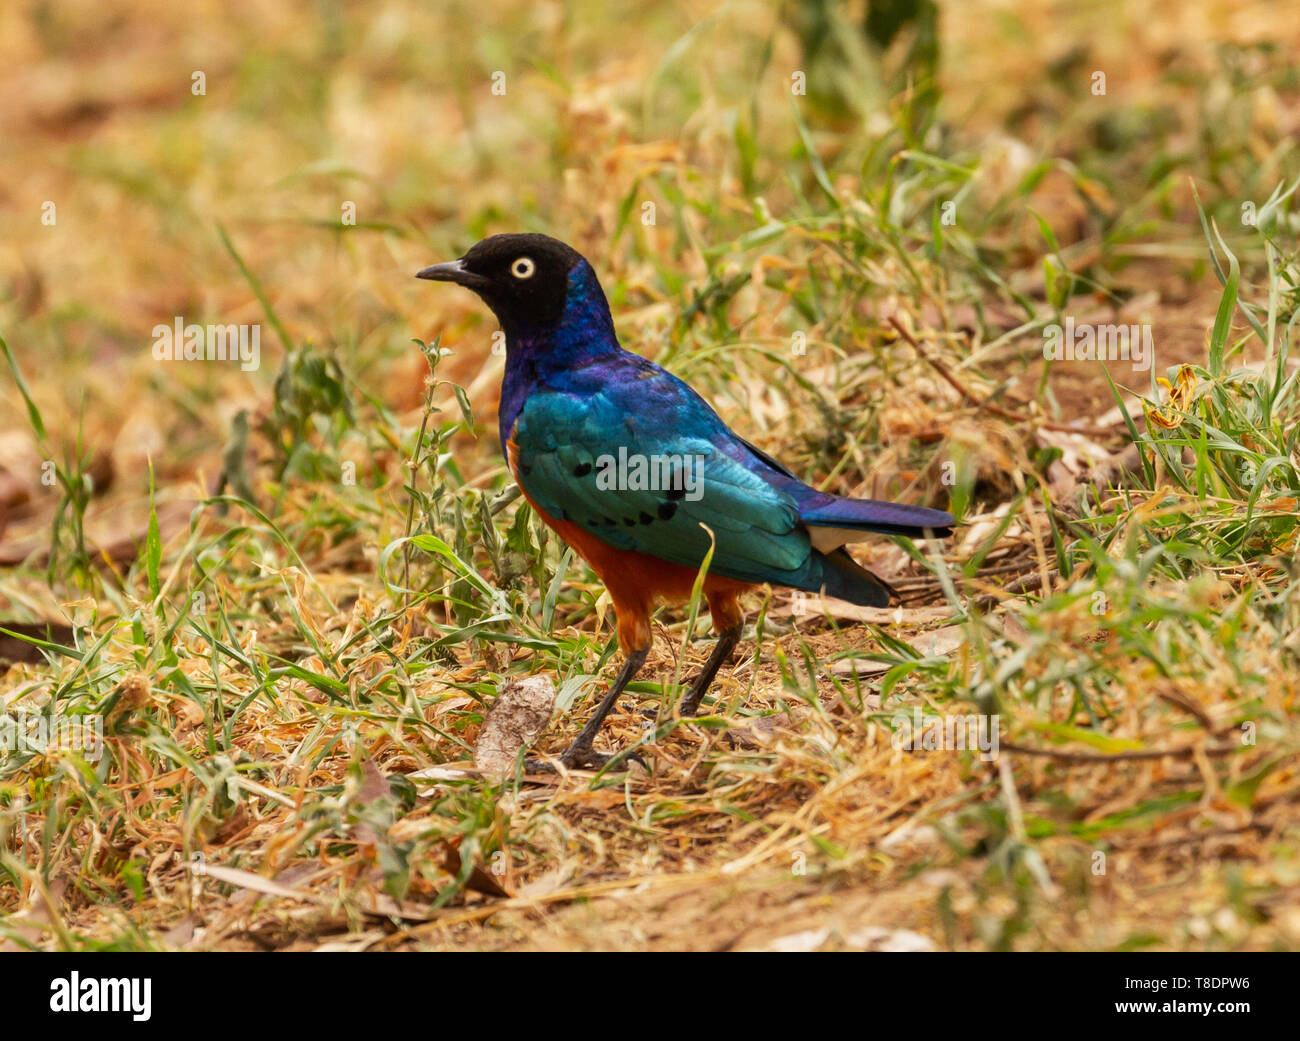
[582,469]
[630,522]
[525,469]
[677,485]
[666,510]
[610,521]
[646,518]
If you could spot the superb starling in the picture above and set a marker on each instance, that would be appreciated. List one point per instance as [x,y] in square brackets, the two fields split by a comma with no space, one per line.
[640,476]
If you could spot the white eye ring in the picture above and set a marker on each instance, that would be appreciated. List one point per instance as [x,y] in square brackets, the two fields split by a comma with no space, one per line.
[523,267]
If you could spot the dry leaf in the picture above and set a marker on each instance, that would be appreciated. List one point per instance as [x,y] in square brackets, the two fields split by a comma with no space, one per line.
[248,880]
[517,718]
[479,880]
[1181,393]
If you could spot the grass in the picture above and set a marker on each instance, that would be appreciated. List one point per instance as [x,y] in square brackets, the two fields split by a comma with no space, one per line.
[292,594]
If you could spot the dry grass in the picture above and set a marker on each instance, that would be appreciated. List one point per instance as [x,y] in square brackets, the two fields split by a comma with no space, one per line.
[292,693]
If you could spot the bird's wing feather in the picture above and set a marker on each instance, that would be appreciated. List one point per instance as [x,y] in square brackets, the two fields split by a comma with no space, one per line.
[571,444]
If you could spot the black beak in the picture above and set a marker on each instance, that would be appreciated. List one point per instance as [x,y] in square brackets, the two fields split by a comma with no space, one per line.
[454,271]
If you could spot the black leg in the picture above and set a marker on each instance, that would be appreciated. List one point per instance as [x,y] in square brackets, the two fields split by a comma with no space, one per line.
[581,753]
[727,640]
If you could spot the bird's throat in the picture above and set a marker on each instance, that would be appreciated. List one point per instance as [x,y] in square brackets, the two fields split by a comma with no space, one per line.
[547,357]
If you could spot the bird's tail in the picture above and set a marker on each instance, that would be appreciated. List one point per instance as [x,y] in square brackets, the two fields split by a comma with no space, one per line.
[887,518]
[845,579]
[833,521]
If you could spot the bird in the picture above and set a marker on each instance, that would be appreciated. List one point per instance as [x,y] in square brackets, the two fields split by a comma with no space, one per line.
[636,472]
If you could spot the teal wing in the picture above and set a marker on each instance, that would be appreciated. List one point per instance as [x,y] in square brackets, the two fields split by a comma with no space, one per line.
[636,481]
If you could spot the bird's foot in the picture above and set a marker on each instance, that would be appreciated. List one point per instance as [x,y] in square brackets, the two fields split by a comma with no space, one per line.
[583,757]
[580,756]
[690,705]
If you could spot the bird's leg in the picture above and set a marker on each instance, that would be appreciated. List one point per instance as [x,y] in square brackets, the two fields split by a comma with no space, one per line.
[581,753]
[727,640]
[728,619]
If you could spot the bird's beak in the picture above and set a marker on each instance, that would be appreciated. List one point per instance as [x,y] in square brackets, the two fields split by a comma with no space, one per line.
[453,271]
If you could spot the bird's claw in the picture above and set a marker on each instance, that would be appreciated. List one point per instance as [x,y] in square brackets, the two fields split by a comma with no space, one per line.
[580,757]
[690,705]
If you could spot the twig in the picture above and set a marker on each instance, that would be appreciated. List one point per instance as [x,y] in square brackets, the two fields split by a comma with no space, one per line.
[1089,757]
[1027,583]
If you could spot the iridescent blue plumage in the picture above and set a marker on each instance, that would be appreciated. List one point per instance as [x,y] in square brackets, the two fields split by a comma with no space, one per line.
[572,398]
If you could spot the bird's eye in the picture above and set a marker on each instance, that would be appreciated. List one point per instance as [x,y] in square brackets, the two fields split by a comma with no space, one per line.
[523,267]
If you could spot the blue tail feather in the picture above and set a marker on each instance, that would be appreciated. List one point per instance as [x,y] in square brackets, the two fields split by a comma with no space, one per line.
[888,518]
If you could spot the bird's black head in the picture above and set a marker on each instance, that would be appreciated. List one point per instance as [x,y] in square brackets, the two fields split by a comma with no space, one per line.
[523,278]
